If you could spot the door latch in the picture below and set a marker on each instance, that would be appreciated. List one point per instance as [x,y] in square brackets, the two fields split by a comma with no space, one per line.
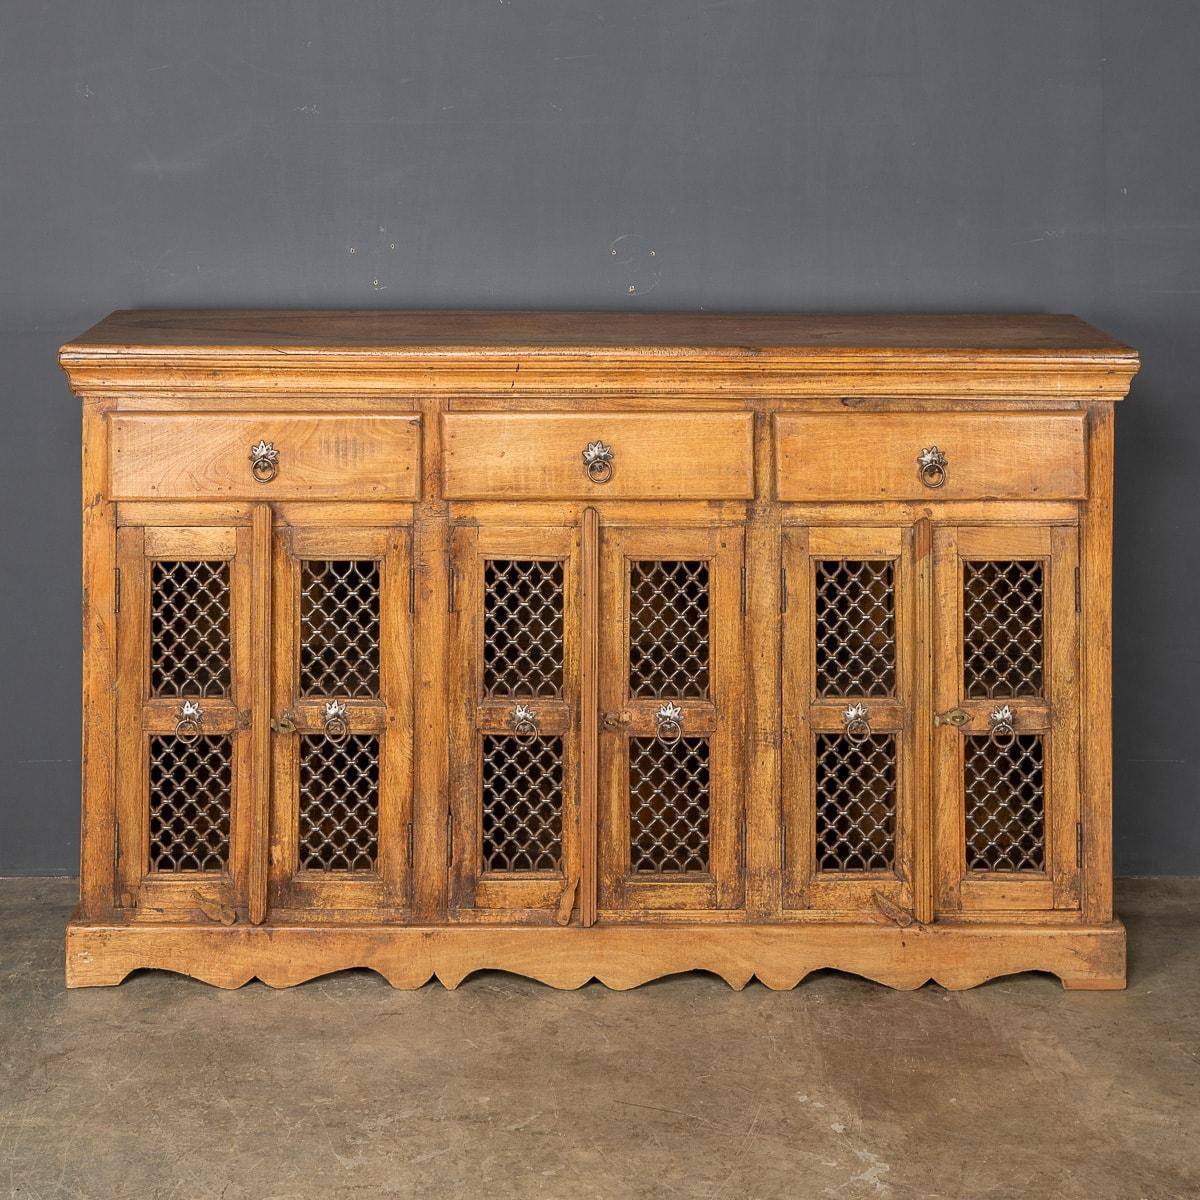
[615,720]
[954,716]
[286,722]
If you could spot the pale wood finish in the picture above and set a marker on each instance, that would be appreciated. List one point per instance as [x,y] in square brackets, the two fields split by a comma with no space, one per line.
[260,701]
[760,444]
[873,456]
[806,715]
[674,456]
[476,893]
[1053,714]
[341,354]
[589,713]
[717,717]
[165,457]
[382,893]
[620,956]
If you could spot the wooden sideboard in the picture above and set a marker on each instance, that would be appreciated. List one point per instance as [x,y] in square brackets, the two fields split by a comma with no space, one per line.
[596,645]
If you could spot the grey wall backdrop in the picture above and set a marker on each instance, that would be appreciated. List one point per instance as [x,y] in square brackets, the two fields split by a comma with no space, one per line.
[845,154]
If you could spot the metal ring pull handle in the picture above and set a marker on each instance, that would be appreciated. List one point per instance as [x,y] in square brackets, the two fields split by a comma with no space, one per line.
[524,721]
[931,466]
[669,723]
[264,461]
[337,722]
[598,462]
[187,728]
[858,724]
[1003,727]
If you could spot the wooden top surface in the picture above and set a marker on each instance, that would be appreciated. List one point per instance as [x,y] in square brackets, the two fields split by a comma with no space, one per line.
[262,335]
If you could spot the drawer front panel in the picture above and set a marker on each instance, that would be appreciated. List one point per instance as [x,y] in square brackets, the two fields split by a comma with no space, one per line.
[874,456]
[162,456]
[664,456]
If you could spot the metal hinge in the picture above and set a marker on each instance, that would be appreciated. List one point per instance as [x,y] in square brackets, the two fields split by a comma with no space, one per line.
[116,589]
[743,843]
[1076,589]
[449,839]
[783,589]
[1079,843]
[412,588]
[783,843]
[743,600]
[410,844]
[449,585]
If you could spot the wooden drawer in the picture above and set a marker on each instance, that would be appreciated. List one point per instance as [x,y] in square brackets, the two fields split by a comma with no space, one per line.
[161,456]
[660,456]
[873,456]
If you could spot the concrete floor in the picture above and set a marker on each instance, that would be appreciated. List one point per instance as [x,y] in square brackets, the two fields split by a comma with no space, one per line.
[342,1087]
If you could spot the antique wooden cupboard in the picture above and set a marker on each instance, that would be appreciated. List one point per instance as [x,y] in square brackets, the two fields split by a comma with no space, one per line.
[594,645]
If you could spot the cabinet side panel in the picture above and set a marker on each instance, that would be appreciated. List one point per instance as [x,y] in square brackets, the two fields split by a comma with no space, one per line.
[98,819]
[1096,661]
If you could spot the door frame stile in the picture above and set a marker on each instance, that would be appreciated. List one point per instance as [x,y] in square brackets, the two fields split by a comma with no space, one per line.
[761,733]
[589,712]
[260,713]
[920,710]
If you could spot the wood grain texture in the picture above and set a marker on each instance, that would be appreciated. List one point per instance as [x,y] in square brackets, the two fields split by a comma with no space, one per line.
[166,457]
[260,717]
[618,956]
[98,816]
[1095,643]
[229,334]
[669,456]
[760,444]
[958,354]
[589,713]
[873,456]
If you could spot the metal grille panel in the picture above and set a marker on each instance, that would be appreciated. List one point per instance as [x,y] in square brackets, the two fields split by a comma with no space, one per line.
[522,803]
[1002,629]
[339,803]
[339,627]
[856,803]
[668,629]
[189,628]
[522,628]
[190,785]
[856,628]
[669,805]
[1005,803]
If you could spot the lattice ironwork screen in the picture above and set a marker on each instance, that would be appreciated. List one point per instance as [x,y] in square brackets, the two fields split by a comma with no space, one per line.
[522,628]
[339,803]
[669,804]
[668,629]
[855,627]
[856,803]
[1005,803]
[189,628]
[339,627]
[1002,629]
[190,785]
[522,803]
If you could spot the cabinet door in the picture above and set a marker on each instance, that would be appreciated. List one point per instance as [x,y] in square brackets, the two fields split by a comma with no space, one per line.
[342,692]
[848,684]
[514,723]
[184,699]
[1006,753]
[671,655]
